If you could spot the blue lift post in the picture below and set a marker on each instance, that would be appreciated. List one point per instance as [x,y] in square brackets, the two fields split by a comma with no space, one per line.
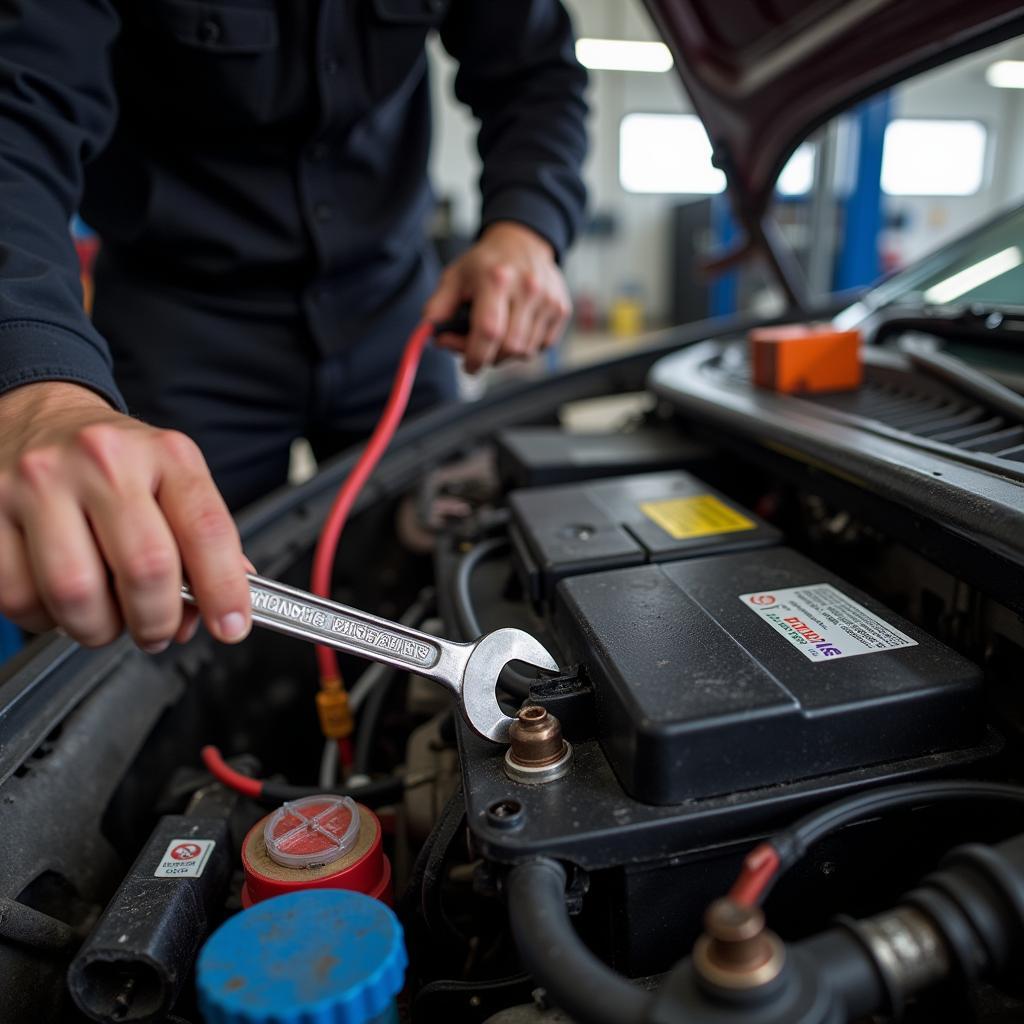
[858,261]
[724,297]
[10,639]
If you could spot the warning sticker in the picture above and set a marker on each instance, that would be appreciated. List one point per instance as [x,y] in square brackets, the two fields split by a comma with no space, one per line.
[185,858]
[823,623]
[700,515]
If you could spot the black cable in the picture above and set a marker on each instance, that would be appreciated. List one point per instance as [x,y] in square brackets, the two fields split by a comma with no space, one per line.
[378,793]
[576,980]
[366,725]
[447,830]
[458,324]
[486,997]
[515,683]
[414,898]
[366,729]
[271,793]
[792,843]
[464,570]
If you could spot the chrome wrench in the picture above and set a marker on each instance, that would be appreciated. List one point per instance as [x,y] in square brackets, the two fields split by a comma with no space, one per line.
[469,671]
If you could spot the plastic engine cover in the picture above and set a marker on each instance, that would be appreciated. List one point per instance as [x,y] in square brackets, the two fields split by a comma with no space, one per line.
[605,524]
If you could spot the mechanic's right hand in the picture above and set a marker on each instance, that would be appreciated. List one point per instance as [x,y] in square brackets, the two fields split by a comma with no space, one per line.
[99,516]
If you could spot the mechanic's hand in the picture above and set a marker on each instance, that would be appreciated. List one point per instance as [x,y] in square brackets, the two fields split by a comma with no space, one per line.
[98,515]
[520,299]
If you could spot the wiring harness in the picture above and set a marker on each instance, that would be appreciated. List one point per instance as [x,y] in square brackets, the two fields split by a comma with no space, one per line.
[768,861]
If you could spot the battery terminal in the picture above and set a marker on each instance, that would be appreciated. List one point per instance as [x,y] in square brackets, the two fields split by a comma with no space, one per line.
[538,752]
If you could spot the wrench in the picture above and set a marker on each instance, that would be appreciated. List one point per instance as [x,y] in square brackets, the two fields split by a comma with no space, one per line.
[469,671]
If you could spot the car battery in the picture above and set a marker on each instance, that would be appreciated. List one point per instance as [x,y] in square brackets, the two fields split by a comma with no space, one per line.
[625,521]
[542,456]
[719,674]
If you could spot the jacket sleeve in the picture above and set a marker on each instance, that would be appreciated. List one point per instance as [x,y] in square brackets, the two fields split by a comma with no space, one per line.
[519,75]
[57,111]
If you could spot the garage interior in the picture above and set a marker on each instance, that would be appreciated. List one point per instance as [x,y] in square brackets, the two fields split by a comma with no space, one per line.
[669,675]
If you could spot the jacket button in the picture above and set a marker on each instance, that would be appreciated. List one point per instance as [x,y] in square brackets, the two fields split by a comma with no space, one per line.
[209,31]
[433,6]
[331,66]
[323,212]
[318,151]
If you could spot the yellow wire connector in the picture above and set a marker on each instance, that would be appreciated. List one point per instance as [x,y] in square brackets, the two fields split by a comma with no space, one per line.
[332,706]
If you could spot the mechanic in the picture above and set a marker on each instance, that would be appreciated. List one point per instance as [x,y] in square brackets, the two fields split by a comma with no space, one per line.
[257,174]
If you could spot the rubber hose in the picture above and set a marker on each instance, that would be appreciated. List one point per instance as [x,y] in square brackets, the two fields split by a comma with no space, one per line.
[576,980]
[29,927]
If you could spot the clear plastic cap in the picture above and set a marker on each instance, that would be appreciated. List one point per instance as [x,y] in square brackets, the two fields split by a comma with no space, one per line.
[312,831]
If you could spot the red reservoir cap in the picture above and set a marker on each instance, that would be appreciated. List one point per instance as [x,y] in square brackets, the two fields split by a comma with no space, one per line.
[318,842]
[313,830]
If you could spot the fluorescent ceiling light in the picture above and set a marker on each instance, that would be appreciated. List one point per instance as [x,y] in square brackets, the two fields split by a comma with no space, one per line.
[622,55]
[975,276]
[1006,74]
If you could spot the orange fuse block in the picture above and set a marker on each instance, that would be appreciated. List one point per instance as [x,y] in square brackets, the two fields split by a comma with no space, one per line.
[801,358]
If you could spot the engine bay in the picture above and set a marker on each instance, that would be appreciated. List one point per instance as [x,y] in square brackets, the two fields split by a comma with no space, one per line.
[751,625]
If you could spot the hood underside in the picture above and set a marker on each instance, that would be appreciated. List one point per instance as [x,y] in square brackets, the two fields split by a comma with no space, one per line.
[763,74]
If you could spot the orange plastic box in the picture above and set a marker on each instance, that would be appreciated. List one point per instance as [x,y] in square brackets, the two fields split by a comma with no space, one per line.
[801,358]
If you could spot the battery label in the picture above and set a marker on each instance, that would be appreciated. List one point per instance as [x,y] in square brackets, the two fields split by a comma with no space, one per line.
[185,858]
[822,623]
[700,515]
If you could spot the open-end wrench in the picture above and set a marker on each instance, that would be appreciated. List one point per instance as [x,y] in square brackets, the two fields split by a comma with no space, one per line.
[470,671]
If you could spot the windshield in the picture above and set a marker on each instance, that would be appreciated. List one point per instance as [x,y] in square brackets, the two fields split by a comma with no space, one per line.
[984,268]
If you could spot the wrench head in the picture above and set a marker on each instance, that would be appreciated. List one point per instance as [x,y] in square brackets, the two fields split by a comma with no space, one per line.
[491,653]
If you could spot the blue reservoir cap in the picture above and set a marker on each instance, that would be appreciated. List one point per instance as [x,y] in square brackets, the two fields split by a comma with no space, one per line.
[320,956]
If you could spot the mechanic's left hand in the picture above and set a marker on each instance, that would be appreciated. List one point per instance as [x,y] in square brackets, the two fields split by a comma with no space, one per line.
[520,299]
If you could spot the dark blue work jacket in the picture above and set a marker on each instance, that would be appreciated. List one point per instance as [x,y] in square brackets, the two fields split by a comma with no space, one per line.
[257,158]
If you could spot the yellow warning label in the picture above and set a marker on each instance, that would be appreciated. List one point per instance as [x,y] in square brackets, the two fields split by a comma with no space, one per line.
[700,515]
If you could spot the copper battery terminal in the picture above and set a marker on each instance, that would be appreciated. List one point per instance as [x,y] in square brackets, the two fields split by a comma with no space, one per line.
[537,751]
[736,950]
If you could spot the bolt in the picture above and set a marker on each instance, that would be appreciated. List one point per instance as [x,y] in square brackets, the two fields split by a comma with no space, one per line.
[736,951]
[735,932]
[505,814]
[536,738]
[578,531]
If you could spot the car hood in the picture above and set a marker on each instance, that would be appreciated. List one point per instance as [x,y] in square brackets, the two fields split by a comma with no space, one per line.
[762,74]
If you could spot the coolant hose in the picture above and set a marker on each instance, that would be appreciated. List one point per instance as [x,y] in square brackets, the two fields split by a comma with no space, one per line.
[576,980]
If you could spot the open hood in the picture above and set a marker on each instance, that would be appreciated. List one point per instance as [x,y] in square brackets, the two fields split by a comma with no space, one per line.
[762,74]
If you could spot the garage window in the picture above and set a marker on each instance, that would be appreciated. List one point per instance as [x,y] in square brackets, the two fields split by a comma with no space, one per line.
[671,153]
[923,157]
[797,177]
[667,153]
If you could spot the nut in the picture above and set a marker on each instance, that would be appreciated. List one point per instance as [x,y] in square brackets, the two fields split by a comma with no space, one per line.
[736,950]
[537,753]
[536,738]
